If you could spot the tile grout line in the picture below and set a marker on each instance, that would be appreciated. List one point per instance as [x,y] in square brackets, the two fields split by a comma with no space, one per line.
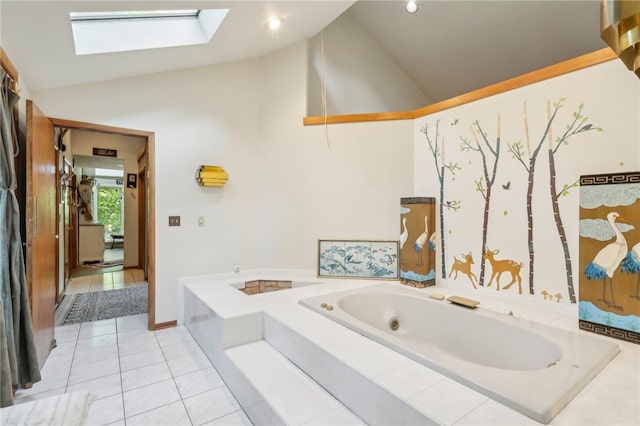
[124,413]
[73,357]
[173,378]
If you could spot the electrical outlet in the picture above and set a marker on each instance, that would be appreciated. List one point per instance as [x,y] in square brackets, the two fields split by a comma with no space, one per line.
[200,220]
[174,220]
[236,268]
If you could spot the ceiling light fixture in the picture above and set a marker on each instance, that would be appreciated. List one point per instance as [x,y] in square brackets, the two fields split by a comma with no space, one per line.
[620,29]
[412,6]
[275,23]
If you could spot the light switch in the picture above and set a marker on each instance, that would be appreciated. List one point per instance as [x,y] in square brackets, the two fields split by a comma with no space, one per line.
[200,220]
[174,220]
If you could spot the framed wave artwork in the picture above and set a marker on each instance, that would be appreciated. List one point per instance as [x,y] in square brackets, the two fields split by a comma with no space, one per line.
[358,259]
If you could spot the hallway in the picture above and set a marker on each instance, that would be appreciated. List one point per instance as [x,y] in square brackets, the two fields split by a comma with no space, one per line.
[89,295]
[104,281]
[87,278]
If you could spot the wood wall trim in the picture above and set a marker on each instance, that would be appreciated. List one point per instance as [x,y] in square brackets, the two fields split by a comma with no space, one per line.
[542,74]
[92,127]
[167,324]
[142,152]
[151,182]
[8,66]
[358,118]
[565,67]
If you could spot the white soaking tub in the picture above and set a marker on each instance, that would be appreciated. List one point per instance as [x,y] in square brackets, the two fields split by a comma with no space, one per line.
[532,368]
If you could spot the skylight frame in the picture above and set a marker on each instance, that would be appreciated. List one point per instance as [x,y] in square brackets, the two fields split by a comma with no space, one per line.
[123,31]
[133,14]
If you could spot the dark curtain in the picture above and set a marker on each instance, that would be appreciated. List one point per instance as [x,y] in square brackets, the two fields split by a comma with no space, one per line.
[18,357]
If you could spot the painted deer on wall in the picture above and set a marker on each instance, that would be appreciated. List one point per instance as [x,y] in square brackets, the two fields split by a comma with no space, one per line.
[503,265]
[464,267]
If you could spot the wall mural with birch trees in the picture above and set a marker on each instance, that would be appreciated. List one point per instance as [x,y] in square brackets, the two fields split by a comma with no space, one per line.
[505,173]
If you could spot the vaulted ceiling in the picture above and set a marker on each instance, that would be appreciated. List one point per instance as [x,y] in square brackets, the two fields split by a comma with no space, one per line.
[447,47]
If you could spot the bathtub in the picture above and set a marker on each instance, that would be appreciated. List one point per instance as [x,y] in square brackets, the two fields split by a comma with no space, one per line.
[530,367]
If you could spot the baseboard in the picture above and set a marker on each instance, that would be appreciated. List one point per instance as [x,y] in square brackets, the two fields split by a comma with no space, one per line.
[168,324]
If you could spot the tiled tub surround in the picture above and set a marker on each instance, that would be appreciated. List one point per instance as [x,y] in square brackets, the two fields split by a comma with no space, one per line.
[501,357]
[379,385]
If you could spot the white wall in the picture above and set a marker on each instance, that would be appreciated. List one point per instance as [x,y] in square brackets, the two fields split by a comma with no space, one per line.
[290,185]
[344,181]
[128,148]
[360,76]
[199,116]
[611,98]
[286,187]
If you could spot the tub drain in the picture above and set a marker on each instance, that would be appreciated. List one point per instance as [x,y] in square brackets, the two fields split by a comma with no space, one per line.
[394,324]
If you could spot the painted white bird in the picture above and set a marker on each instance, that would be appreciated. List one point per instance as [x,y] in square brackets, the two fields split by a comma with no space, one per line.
[421,240]
[432,241]
[608,259]
[403,237]
[405,233]
[631,265]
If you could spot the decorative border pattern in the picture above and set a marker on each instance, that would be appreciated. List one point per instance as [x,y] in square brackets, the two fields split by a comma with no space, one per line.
[609,178]
[418,200]
[605,330]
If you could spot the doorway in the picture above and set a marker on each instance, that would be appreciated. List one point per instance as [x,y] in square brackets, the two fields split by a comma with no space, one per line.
[48,179]
[101,218]
[108,205]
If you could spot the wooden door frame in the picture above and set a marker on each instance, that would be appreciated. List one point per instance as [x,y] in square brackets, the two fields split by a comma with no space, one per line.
[63,198]
[150,147]
[142,225]
[73,225]
[57,223]
[41,227]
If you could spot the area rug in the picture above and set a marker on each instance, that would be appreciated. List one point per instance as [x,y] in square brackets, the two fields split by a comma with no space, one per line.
[107,264]
[99,305]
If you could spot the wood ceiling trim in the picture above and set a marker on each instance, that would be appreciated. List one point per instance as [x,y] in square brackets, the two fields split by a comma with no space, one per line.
[358,118]
[565,67]
[6,64]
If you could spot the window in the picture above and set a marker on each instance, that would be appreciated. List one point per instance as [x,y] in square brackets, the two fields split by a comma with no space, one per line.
[121,31]
[110,210]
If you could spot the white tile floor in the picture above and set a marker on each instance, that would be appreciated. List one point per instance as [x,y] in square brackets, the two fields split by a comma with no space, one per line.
[106,281]
[138,376]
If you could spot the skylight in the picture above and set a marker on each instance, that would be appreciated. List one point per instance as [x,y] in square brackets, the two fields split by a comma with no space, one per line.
[133,14]
[121,31]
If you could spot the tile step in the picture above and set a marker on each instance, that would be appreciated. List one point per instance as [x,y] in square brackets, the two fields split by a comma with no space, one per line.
[295,339]
[280,392]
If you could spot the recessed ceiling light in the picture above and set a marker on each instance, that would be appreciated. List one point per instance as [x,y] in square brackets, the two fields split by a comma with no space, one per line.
[412,6]
[275,23]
